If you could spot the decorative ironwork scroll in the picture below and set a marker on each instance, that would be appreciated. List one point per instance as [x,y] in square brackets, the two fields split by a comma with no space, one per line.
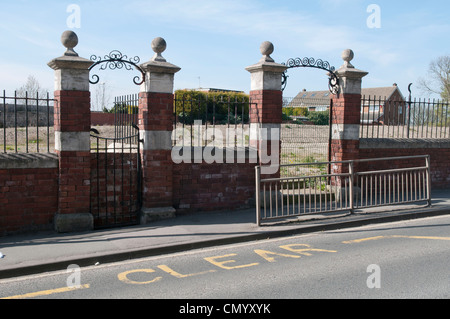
[117,61]
[333,81]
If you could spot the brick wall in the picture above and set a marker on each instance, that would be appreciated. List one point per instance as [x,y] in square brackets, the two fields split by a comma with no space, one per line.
[439,152]
[102,119]
[28,192]
[207,187]
[74,182]
[156,178]
[72,112]
[266,106]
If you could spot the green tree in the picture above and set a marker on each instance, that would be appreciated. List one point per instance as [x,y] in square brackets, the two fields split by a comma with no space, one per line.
[319,118]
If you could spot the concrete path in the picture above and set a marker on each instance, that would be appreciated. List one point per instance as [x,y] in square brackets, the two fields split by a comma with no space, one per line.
[49,251]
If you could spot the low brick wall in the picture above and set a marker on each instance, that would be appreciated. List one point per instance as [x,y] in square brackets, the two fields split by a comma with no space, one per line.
[217,186]
[439,151]
[28,192]
[102,119]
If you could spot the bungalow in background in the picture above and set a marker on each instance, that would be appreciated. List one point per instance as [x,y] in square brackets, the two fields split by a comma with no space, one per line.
[382,105]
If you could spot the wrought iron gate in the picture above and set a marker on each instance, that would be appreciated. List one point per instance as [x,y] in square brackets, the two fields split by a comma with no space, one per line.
[116,197]
[115,180]
[305,140]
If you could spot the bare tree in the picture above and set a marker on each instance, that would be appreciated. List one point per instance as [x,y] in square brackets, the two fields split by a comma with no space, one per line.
[101,97]
[439,78]
[32,89]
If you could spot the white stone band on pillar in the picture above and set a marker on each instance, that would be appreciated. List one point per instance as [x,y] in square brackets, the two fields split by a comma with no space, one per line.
[156,140]
[345,132]
[72,141]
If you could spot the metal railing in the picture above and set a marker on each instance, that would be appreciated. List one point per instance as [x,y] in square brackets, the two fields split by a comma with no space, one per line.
[384,187]
[26,123]
[126,112]
[358,185]
[418,118]
[217,121]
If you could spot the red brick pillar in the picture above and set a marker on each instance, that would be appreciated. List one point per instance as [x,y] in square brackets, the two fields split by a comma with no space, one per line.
[346,114]
[266,103]
[72,137]
[156,120]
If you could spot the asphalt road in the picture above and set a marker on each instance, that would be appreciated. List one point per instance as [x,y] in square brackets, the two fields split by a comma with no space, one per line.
[408,259]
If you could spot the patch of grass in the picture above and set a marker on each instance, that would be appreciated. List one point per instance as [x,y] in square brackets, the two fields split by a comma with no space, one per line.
[36,141]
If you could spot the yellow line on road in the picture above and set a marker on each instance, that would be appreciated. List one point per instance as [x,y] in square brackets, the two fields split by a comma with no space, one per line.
[47,292]
[357,241]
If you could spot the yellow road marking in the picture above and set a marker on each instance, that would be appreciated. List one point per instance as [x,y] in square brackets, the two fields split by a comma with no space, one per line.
[178,275]
[221,264]
[47,292]
[357,241]
[265,254]
[305,251]
[123,277]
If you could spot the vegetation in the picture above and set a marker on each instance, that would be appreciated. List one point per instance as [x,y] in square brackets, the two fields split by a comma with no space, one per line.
[218,107]
[438,81]
[316,117]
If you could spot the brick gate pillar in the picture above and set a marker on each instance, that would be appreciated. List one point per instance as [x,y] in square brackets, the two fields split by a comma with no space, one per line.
[346,114]
[72,137]
[156,120]
[266,103]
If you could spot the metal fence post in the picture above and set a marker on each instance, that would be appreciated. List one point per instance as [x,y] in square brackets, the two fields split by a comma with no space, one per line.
[257,195]
[351,199]
[428,166]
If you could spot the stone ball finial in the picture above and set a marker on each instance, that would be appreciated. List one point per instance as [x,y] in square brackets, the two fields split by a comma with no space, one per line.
[267,49]
[69,39]
[347,56]
[159,45]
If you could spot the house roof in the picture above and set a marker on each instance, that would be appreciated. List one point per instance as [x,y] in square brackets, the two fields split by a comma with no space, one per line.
[320,97]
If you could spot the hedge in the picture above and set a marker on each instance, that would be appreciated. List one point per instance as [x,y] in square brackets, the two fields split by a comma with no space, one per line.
[214,107]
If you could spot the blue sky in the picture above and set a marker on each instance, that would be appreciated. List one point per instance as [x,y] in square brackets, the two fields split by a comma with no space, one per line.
[213,41]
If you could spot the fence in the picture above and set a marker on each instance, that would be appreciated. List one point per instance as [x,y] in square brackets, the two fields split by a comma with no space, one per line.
[352,188]
[418,118]
[126,111]
[384,187]
[217,121]
[26,123]
[305,133]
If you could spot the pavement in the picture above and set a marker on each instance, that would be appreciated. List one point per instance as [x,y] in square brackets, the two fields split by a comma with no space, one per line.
[49,251]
